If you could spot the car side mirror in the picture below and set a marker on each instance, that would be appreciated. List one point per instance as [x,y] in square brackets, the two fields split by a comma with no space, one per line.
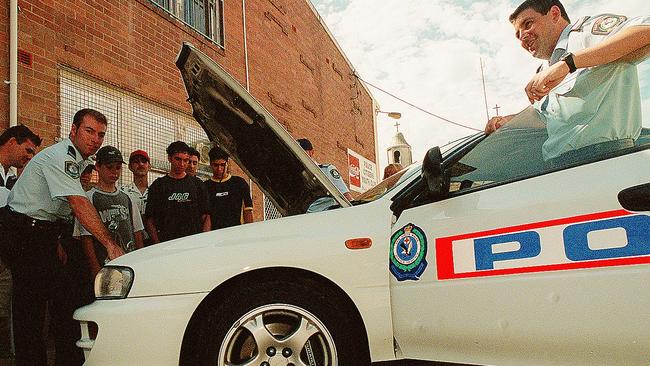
[433,174]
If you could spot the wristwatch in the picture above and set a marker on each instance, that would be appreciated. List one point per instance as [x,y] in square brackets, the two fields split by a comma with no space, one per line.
[568,59]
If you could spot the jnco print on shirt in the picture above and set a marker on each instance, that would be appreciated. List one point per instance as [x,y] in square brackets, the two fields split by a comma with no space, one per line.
[179,197]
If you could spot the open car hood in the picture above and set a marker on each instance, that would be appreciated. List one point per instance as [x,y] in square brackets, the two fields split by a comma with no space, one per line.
[259,144]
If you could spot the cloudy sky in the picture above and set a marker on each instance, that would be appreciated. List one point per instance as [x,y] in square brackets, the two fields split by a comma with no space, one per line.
[428,52]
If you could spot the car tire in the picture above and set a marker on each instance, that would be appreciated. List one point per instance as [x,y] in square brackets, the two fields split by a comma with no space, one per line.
[299,322]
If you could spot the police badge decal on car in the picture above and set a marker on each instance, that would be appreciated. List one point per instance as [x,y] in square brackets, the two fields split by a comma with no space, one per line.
[408,253]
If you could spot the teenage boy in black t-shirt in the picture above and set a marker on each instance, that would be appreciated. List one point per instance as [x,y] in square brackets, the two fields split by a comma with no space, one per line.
[230,198]
[178,204]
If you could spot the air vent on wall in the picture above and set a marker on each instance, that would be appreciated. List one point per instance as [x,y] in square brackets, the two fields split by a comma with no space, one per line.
[203,147]
[25,57]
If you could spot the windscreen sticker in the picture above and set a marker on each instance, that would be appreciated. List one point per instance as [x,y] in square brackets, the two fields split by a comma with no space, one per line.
[408,252]
[606,239]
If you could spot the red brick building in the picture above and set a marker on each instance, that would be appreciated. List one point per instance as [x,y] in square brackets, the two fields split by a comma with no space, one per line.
[118,57]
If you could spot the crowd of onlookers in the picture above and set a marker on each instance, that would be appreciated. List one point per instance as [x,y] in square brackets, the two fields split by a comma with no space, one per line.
[63,238]
[64,215]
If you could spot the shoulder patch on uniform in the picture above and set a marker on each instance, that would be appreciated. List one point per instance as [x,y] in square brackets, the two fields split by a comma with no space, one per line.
[604,24]
[72,152]
[335,173]
[72,169]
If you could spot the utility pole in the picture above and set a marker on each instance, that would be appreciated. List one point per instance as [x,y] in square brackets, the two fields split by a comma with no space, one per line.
[487,112]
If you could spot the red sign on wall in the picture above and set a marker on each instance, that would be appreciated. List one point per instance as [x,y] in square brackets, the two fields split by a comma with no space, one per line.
[355,171]
[363,172]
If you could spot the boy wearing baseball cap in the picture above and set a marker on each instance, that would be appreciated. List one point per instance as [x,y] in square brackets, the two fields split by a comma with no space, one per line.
[138,189]
[116,209]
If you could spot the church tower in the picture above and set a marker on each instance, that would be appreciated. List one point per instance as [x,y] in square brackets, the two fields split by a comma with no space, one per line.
[399,151]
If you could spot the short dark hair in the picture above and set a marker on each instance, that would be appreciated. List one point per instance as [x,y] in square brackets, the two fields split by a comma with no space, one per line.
[217,153]
[305,144]
[540,6]
[79,116]
[194,152]
[88,169]
[178,147]
[21,134]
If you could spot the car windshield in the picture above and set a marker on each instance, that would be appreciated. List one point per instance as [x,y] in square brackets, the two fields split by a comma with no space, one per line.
[451,145]
[389,183]
[550,135]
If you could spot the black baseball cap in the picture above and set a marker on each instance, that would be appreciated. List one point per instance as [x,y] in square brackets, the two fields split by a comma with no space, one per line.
[109,154]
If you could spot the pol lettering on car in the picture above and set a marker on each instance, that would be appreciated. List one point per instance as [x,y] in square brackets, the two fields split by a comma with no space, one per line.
[408,253]
[606,239]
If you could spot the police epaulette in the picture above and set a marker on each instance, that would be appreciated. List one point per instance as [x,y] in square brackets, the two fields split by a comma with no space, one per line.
[72,152]
[577,26]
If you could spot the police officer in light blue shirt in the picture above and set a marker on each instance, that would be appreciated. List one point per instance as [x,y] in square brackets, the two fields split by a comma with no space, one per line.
[332,174]
[17,146]
[43,199]
[588,94]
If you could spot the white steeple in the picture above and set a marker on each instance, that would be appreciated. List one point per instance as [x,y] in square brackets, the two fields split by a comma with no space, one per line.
[399,151]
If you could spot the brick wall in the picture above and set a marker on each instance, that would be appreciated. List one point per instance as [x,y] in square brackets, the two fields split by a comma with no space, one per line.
[295,69]
[307,85]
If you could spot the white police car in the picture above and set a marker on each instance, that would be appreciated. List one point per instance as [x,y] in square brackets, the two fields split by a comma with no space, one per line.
[484,254]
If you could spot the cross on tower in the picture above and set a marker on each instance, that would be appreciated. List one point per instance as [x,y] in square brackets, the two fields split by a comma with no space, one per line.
[397,125]
[496,107]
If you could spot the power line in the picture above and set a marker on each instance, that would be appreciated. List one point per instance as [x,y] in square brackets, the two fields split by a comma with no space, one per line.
[416,107]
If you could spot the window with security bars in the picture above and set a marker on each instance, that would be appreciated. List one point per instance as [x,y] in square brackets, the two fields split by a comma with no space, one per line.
[133,122]
[206,16]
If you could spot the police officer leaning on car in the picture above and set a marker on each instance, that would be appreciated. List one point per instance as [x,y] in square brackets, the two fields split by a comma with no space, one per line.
[45,196]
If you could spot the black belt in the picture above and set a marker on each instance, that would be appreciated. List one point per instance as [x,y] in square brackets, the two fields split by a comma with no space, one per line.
[23,220]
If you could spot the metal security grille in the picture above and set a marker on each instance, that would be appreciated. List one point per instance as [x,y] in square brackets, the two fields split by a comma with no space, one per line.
[195,14]
[206,16]
[133,122]
[270,212]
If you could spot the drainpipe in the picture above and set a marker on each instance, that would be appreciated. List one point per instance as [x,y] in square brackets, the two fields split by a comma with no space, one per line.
[248,88]
[375,136]
[243,9]
[13,63]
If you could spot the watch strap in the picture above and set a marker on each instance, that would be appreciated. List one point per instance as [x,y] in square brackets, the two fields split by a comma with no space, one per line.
[568,59]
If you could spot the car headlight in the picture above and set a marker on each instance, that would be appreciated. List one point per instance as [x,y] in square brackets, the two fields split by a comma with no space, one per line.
[113,282]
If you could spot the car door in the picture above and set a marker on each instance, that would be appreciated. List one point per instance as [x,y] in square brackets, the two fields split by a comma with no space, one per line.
[524,264]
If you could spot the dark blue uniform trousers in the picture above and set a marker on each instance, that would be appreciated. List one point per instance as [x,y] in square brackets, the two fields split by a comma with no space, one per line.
[40,282]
